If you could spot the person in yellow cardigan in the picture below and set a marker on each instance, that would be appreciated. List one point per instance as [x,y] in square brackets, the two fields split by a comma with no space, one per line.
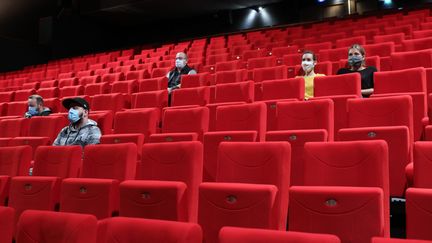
[309,60]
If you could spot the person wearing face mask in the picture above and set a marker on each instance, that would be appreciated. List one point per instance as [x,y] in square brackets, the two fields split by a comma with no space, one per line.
[81,130]
[181,68]
[36,107]
[307,72]
[356,63]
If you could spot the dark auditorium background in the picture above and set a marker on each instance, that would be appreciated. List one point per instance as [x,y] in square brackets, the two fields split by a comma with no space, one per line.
[46,29]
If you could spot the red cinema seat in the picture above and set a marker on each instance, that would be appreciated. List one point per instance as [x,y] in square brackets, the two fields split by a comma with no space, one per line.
[326,164]
[96,192]
[68,82]
[14,161]
[247,117]
[333,55]
[396,240]
[190,96]
[417,44]
[22,95]
[418,213]
[104,119]
[383,111]
[261,62]
[114,102]
[160,72]
[269,73]
[353,214]
[279,52]
[96,89]
[17,108]
[41,191]
[38,126]
[233,235]
[57,161]
[125,122]
[316,47]
[140,74]
[84,73]
[54,104]
[235,92]
[102,71]
[7,223]
[211,143]
[399,147]
[385,49]
[406,29]
[229,65]
[422,165]
[299,115]
[42,226]
[347,84]
[14,127]
[112,77]
[347,42]
[185,120]
[158,99]
[133,230]
[246,185]
[48,84]
[411,59]
[231,76]
[6,96]
[422,34]
[400,81]
[283,89]
[218,198]
[153,84]
[169,174]
[89,80]
[125,87]
[396,38]
[196,80]
[69,91]
[297,139]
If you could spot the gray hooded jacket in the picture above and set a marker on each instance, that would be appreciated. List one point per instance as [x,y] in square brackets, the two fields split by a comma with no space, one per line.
[87,134]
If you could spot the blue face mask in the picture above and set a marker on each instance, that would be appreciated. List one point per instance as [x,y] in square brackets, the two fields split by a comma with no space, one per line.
[355,60]
[73,115]
[180,63]
[32,110]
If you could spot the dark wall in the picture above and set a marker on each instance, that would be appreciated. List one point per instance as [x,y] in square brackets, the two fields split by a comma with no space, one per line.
[69,32]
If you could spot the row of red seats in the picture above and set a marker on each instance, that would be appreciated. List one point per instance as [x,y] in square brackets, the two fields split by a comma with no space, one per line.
[169,173]
[37,225]
[177,167]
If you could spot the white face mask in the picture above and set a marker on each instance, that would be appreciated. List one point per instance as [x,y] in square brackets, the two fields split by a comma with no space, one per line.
[180,63]
[307,65]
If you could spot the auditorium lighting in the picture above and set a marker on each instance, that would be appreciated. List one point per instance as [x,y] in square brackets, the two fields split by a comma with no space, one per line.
[250,19]
[266,18]
[388,2]
[321,1]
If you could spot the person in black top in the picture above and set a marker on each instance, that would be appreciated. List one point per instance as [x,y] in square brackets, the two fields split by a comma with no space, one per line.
[356,63]
[181,68]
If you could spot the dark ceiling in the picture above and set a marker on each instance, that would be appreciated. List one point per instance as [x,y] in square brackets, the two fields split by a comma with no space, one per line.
[124,10]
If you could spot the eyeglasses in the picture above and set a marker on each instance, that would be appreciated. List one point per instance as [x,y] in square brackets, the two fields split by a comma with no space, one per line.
[180,58]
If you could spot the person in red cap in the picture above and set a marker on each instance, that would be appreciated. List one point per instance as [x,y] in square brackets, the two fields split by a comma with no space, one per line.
[81,130]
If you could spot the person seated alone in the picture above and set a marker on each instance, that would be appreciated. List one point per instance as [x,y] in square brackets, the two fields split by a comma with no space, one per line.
[81,130]
[357,64]
[307,72]
[36,107]
[181,68]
